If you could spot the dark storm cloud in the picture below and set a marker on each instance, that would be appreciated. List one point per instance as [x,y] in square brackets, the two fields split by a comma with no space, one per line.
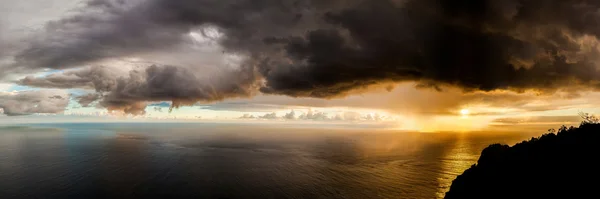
[129,93]
[484,45]
[106,29]
[329,48]
[176,84]
[100,31]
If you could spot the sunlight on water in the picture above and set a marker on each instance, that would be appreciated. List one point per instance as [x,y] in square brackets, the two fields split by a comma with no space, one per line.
[211,161]
[460,157]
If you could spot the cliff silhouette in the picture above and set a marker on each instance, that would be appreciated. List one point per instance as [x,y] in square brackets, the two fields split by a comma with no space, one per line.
[559,164]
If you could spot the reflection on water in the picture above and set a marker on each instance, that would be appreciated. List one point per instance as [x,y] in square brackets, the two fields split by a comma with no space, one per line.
[213,161]
[460,157]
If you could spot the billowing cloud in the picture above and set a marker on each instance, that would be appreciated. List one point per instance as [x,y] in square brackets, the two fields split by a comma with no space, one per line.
[323,116]
[87,99]
[323,49]
[290,116]
[31,102]
[154,83]
[485,45]
[176,84]
[313,115]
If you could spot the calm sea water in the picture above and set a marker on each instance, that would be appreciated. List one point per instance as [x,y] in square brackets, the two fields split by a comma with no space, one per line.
[232,161]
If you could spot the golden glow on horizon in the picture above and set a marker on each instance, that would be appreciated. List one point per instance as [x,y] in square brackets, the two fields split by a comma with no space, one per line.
[464,112]
[403,108]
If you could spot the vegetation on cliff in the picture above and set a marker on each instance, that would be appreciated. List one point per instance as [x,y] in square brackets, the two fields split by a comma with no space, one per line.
[559,164]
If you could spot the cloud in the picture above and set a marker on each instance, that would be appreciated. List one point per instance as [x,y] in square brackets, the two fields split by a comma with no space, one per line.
[100,78]
[130,94]
[87,99]
[247,116]
[290,116]
[404,99]
[31,102]
[475,46]
[323,49]
[270,116]
[554,120]
[175,84]
[310,115]
[2,40]
[19,20]
[97,32]
[372,117]
[246,106]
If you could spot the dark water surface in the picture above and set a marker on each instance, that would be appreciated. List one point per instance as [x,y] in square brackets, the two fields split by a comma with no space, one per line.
[229,161]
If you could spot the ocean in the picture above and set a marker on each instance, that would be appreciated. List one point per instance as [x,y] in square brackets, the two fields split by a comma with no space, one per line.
[186,160]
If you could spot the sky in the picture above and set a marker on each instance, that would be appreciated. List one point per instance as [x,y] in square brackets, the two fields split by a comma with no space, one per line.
[426,65]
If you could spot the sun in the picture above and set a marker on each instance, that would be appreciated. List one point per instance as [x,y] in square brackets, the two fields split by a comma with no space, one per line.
[464,112]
